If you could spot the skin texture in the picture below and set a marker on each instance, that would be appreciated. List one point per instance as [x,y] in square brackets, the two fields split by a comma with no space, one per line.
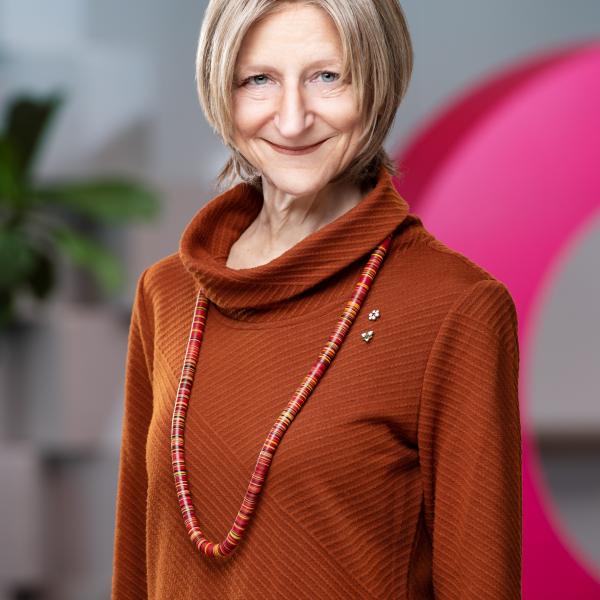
[287,91]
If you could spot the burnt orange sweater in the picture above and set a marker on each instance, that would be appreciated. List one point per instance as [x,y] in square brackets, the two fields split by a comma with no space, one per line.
[400,478]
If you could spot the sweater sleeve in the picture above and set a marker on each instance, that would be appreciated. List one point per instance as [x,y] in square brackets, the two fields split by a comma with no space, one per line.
[469,438]
[129,556]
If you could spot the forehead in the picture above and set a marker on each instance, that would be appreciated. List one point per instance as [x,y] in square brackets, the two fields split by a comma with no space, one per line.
[295,31]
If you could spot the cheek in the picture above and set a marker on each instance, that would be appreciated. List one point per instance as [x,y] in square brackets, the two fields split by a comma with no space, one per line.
[249,114]
[341,113]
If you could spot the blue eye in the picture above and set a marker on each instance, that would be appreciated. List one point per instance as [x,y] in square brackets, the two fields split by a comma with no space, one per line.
[254,77]
[335,76]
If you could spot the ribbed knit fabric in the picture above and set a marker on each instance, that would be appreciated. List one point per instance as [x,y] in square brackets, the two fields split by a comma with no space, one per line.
[400,478]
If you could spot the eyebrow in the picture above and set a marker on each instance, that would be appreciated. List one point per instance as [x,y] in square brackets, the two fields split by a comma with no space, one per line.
[265,67]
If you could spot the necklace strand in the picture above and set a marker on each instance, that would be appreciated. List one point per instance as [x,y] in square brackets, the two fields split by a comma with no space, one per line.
[326,356]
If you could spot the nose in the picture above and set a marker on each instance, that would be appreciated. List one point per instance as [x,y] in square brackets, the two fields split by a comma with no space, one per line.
[294,113]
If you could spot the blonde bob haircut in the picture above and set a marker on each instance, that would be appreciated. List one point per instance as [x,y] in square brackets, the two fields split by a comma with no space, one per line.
[377,59]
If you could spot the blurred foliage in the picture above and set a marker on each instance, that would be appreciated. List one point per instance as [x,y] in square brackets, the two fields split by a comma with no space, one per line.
[38,221]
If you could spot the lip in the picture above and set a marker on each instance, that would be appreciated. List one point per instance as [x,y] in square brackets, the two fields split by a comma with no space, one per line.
[296,151]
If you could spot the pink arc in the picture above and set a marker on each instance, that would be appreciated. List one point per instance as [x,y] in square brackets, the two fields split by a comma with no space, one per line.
[508,175]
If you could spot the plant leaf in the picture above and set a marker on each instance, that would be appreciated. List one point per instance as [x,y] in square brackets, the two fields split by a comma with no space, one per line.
[17,258]
[91,256]
[27,121]
[42,278]
[7,309]
[112,201]
[9,188]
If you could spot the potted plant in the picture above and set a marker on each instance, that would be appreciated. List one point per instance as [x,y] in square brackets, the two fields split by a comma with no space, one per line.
[43,222]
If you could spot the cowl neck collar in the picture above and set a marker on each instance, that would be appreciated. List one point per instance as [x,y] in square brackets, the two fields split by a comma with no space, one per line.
[207,239]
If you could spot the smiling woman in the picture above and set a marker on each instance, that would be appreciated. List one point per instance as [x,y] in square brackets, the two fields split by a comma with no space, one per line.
[289,104]
[304,97]
[344,65]
[298,122]
[379,463]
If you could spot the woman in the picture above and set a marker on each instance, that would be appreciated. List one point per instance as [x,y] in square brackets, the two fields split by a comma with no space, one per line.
[385,463]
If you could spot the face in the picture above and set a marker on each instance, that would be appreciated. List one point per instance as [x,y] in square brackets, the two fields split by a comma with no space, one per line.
[288,95]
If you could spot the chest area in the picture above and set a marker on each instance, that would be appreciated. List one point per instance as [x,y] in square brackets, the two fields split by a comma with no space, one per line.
[364,395]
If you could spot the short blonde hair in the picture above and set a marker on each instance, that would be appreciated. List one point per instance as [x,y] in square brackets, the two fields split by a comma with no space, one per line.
[377,55]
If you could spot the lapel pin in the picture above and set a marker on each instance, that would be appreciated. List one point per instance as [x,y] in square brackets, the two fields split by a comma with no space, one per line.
[367,335]
[374,314]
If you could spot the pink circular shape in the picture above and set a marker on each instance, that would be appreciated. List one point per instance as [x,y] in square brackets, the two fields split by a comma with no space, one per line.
[509,176]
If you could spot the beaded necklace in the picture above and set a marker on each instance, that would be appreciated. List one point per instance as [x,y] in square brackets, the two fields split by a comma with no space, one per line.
[265,456]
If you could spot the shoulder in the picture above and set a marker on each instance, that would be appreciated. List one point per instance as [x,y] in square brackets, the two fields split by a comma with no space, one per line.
[445,281]
[165,284]
[165,273]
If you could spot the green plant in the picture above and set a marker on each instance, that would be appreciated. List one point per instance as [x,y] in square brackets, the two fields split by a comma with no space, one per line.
[38,220]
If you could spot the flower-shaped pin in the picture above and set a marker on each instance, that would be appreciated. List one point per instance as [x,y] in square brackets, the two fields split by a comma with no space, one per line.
[374,314]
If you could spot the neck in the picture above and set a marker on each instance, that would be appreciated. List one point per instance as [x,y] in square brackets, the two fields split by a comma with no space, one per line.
[285,219]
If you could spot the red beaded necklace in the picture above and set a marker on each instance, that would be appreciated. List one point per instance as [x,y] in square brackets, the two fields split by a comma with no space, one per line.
[326,356]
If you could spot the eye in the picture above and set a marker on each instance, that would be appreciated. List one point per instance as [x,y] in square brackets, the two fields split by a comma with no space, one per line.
[330,76]
[255,79]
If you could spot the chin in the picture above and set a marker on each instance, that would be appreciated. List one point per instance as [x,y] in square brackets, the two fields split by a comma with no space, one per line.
[297,182]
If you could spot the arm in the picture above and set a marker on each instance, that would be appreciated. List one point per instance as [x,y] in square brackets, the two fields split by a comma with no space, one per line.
[129,558]
[469,439]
